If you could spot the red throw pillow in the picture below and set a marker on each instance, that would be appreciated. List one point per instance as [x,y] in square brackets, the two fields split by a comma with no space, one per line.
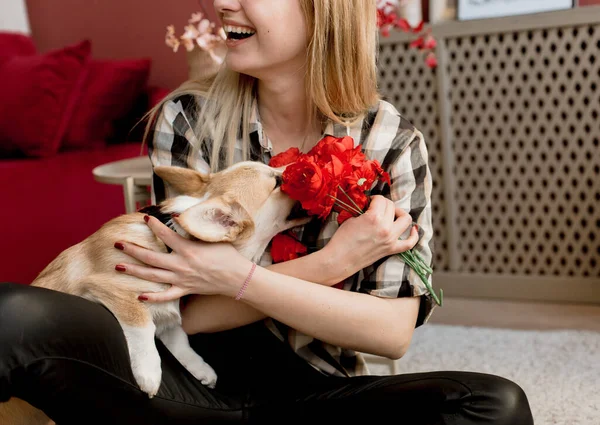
[15,44]
[109,93]
[37,95]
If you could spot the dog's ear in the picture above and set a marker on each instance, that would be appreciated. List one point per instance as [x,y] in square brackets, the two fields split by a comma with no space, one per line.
[183,180]
[216,220]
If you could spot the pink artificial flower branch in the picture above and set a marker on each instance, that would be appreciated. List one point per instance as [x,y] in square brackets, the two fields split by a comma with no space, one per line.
[201,33]
[387,19]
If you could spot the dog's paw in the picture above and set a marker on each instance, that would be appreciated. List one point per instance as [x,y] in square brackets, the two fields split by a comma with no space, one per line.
[203,373]
[148,373]
[149,382]
[210,380]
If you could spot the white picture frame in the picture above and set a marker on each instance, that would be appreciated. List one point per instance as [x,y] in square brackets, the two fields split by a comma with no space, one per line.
[481,9]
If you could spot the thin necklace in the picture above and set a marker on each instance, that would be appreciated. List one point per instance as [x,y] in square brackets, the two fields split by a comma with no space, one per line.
[266,138]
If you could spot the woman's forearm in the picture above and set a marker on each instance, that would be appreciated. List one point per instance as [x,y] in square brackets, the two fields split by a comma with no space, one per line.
[214,313]
[347,319]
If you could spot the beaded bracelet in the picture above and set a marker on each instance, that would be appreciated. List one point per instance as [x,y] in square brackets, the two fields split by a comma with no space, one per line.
[246,282]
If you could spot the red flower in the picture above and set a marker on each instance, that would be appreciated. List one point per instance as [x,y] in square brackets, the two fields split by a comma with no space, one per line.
[285,248]
[334,174]
[431,60]
[430,43]
[307,182]
[285,158]
[303,180]
[418,43]
[340,147]
[403,25]
[337,175]
[419,27]
[354,197]
[381,175]
[330,145]
[343,216]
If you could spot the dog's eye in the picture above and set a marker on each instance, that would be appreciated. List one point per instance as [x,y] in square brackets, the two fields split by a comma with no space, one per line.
[278,181]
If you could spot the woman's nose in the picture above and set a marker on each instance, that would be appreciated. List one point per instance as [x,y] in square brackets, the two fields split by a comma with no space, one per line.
[222,6]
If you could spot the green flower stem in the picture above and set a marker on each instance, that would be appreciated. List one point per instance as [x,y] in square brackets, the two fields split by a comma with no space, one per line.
[409,261]
[418,259]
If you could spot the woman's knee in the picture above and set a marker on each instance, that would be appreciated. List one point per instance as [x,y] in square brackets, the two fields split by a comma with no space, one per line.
[29,308]
[509,400]
[38,322]
[17,306]
[33,314]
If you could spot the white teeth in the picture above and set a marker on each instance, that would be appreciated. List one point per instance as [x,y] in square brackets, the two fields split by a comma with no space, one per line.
[238,30]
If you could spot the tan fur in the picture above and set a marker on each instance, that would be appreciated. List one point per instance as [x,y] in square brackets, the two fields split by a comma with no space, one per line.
[183,180]
[88,268]
[18,412]
[227,204]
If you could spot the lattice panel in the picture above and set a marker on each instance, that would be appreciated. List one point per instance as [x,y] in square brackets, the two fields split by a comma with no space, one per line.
[407,83]
[525,131]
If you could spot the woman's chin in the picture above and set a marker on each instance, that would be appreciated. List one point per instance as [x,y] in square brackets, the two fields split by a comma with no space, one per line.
[242,66]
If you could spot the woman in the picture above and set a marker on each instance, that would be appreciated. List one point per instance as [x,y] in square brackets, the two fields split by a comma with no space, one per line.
[288,350]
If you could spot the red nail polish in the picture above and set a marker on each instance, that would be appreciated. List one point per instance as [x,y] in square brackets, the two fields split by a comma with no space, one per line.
[119,245]
[146,218]
[143,298]
[120,268]
[175,215]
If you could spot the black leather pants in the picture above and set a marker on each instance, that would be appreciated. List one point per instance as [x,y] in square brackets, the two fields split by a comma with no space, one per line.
[68,357]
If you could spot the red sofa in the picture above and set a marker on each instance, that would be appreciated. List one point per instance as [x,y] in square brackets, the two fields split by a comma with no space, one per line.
[62,114]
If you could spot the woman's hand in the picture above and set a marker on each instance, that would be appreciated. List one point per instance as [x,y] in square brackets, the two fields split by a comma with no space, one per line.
[194,267]
[362,240]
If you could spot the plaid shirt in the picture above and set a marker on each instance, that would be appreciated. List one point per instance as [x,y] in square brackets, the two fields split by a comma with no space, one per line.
[385,136]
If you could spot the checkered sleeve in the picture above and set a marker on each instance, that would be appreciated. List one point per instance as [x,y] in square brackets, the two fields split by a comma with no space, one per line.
[172,142]
[410,189]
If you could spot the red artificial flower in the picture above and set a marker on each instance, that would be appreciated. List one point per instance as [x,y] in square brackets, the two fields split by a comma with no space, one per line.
[334,174]
[285,158]
[381,174]
[431,60]
[307,182]
[304,179]
[418,43]
[352,193]
[430,43]
[286,248]
[343,216]
[330,145]
[403,25]
[340,147]
[419,27]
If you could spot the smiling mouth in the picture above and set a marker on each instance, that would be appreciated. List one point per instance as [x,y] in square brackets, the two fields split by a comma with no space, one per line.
[238,33]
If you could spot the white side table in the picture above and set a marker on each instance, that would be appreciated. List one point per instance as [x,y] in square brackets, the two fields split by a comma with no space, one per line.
[134,174]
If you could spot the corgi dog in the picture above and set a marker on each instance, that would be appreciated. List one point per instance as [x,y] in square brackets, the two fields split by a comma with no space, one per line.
[242,204]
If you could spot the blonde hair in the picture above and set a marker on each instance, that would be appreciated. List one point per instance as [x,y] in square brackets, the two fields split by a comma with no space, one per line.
[340,80]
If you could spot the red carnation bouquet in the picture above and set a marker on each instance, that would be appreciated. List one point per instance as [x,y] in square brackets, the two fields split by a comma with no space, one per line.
[334,176]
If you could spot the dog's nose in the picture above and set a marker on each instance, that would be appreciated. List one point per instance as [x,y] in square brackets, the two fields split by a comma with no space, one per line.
[278,181]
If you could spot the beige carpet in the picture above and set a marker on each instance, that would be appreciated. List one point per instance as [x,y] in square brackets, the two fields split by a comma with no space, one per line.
[559,370]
